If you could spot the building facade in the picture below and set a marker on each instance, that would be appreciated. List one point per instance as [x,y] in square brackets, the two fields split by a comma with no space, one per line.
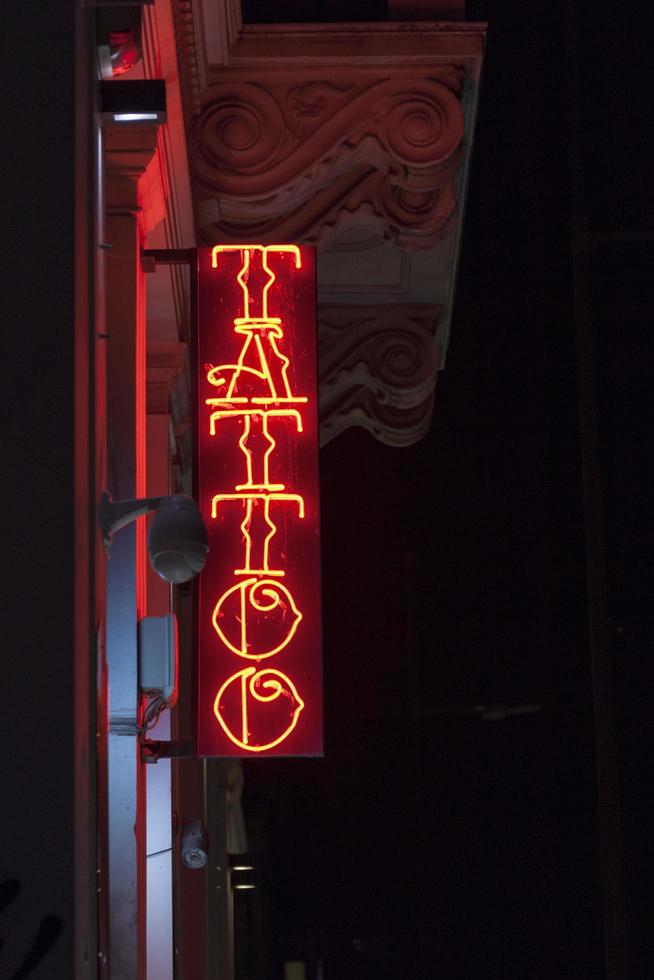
[354,137]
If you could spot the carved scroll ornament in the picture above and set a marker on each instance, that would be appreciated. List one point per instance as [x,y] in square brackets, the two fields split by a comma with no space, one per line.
[300,162]
[378,369]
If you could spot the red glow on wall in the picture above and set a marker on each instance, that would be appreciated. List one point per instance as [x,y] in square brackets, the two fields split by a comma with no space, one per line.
[258,598]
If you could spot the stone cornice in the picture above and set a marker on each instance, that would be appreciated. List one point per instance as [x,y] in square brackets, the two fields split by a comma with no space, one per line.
[176,227]
[356,138]
[160,61]
[396,43]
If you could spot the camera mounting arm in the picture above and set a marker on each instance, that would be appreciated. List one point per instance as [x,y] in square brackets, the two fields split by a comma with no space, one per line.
[116,514]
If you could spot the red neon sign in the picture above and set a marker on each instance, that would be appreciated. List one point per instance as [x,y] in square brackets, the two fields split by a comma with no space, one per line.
[258,599]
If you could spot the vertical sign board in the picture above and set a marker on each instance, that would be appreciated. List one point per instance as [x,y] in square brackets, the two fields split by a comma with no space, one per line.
[258,600]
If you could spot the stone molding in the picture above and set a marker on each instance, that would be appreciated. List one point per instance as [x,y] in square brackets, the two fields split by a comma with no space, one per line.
[177,229]
[378,367]
[351,46]
[386,423]
[133,184]
[355,138]
[301,162]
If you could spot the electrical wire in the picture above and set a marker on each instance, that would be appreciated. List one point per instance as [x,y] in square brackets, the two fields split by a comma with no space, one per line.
[152,713]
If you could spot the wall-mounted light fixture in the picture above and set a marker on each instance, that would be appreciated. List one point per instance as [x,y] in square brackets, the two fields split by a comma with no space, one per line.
[240,862]
[242,873]
[140,102]
[241,883]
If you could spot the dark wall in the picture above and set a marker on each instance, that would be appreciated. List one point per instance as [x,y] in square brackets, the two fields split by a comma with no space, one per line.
[37,716]
[622,303]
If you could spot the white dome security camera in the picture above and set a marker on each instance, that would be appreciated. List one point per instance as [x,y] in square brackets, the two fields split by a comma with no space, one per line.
[177,539]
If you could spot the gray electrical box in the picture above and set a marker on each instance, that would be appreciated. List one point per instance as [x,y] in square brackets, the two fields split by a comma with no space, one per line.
[158,656]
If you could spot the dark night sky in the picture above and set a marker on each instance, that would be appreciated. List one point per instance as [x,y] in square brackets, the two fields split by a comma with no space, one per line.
[445,845]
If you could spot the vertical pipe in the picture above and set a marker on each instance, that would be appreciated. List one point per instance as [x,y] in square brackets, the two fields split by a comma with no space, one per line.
[159,925]
[126,326]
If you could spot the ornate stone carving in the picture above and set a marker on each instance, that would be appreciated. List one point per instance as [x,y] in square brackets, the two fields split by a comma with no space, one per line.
[192,77]
[299,162]
[351,137]
[392,426]
[378,369]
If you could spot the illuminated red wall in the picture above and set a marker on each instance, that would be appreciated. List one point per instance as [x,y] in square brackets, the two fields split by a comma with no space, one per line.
[258,599]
